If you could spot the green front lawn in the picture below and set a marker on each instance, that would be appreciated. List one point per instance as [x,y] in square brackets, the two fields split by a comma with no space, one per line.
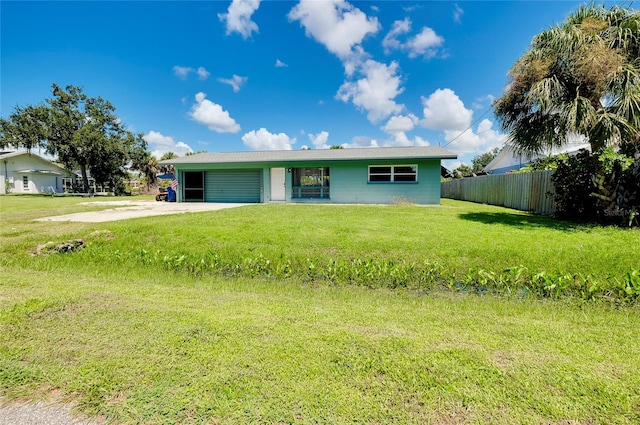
[116,329]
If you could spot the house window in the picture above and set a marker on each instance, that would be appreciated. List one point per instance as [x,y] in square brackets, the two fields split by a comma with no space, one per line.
[393,173]
[67,184]
[25,182]
[311,183]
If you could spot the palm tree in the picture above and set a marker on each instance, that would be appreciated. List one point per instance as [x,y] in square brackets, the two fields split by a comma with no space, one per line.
[148,167]
[582,78]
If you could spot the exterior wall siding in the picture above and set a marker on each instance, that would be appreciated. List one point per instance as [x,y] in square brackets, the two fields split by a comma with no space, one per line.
[504,170]
[38,183]
[348,181]
[349,185]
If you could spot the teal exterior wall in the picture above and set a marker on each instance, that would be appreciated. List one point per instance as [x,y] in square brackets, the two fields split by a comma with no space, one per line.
[349,184]
[348,181]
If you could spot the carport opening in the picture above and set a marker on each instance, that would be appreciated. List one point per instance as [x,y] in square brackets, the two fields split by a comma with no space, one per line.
[194,186]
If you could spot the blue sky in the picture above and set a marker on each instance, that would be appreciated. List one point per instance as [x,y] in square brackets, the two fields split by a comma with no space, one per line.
[257,75]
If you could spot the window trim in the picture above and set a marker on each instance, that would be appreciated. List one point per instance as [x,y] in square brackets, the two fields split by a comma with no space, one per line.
[392,174]
[25,182]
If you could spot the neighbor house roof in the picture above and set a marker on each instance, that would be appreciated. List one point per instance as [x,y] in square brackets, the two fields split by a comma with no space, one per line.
[410,152]
[508,156]
[56,169]
[11,154]
[38,171]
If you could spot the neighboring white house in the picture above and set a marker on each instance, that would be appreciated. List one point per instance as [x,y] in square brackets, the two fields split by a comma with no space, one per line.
[25,172]
[508,160]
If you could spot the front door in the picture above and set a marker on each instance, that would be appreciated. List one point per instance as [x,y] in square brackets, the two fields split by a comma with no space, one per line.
[277,184]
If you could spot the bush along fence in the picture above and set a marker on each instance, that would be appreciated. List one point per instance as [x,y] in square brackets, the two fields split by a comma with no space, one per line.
[531,192]
[391,273]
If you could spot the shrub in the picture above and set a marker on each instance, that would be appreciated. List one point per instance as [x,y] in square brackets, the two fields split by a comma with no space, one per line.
[573,182]
[603,188]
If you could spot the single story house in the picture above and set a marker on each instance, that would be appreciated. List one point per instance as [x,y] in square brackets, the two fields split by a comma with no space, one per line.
[344,176]
[26,172]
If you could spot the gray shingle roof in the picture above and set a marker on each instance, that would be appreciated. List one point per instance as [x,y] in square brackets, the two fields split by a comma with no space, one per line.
[409,152]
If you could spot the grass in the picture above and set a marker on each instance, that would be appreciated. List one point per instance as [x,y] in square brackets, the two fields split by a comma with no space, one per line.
[136,343]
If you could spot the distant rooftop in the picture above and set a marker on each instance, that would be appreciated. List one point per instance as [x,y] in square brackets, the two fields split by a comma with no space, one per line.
[409,152]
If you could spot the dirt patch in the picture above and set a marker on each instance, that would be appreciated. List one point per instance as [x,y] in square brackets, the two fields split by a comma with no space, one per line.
[43,412]
[53,248]
[72,245]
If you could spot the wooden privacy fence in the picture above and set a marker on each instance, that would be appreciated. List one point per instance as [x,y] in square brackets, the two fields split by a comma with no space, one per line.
[531,192]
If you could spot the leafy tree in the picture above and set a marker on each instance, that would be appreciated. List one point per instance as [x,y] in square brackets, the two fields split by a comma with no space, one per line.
[463,170]
[193,153]
[336,147]
[168,155]
[482,160]
[549,162]
[83,132]
[25,128]
[581,77]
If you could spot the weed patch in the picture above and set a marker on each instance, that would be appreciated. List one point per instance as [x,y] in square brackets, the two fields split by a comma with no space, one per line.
[390,273]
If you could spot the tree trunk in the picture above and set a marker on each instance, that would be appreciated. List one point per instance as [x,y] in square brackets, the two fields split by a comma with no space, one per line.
[85,179]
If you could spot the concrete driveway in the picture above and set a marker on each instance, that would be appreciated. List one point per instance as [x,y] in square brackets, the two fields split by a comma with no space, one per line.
[123,210]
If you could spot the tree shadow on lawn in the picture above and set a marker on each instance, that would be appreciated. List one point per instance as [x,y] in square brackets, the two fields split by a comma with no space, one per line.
[523,221]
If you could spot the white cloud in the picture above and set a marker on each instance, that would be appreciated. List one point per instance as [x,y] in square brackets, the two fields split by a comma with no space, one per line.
[480,103]
[368,142]
[443,110]
[336,24]
[425,43]
[400,123]
[484,138]
[238,17]
[280,64]
[354,60]
[390,41]
[452,164]
[212,115]
[182,71]
[397,126]
[161,144]
[419,141]
[263,140]
[203,74]
[319,140]
[235,82]
[457,13]
[376,92]
[361,142]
